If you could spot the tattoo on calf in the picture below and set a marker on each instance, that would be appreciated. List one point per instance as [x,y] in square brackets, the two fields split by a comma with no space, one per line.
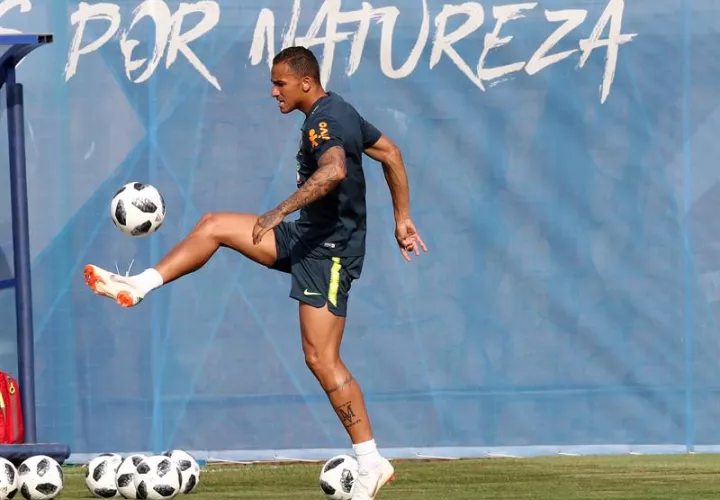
[347,415]
[341,385]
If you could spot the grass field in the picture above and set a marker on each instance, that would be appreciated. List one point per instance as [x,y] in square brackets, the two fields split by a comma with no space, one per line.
[670,477]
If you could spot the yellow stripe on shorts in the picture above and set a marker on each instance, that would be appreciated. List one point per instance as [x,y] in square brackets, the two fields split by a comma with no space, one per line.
[334,281]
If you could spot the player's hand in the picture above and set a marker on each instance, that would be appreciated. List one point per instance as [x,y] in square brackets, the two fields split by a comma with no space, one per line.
[408,238]
[265,223]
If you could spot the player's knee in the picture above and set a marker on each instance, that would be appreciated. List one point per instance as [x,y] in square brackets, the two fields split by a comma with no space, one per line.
[209,224]
[321,361]
[206,217]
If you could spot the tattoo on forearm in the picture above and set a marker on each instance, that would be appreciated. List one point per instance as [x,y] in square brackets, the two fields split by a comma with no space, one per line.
[341,385]
[331,170]
[347,415]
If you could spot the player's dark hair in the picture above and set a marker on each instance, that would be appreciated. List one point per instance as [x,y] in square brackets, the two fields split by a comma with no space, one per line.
[301,61]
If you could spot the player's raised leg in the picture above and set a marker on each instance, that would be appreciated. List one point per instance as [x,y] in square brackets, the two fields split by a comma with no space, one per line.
[232,230]
[322,333]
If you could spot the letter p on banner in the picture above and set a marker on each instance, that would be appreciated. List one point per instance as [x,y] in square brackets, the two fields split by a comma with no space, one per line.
[80,18]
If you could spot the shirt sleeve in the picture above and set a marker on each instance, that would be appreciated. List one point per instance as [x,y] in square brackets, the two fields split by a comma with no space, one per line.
[370,134]
[324,132]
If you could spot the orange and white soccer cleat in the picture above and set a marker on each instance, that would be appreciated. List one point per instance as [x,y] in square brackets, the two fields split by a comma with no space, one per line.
[117,287]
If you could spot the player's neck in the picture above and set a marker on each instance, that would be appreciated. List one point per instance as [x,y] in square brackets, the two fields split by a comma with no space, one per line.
[312,99]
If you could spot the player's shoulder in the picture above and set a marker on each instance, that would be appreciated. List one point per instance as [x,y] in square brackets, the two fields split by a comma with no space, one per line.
[334,107]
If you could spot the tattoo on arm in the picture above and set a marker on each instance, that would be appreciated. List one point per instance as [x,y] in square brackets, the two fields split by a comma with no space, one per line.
[331,170]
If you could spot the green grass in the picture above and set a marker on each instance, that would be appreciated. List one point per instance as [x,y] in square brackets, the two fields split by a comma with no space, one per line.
[670,477]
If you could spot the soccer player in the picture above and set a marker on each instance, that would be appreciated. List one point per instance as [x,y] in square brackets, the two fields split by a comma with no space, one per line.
[323,250]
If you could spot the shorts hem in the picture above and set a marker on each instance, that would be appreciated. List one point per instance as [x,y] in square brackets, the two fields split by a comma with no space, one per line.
[319,304]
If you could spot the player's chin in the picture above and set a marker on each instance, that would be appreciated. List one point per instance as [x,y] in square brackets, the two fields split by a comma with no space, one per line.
[284,107]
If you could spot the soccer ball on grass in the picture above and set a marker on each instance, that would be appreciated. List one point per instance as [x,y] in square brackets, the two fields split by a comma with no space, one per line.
[8,479]
[337,477]
[100,476]
[157,478]
[125,475]
[40,478]
[189,469]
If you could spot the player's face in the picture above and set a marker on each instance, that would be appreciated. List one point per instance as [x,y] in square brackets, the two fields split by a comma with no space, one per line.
[287,88]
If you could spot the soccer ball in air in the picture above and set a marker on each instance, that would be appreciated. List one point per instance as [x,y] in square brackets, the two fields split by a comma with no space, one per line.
[40,478]
[337,477]
[8,479]
[157,477]
[189,469]
[100,476]
[137,209]
[125,475]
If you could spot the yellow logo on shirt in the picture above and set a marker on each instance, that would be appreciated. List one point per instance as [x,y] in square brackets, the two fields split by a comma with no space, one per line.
[314,136]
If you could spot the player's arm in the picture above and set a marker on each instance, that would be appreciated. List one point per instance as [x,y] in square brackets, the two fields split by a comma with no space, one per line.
[332,169]
[328,150]
[390,157]
[380,148]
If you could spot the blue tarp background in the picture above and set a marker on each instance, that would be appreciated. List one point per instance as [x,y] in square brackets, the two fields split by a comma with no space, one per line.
[570,295]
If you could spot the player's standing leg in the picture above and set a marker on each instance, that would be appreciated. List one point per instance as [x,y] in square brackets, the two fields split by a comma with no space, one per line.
[213,230]
[322,333]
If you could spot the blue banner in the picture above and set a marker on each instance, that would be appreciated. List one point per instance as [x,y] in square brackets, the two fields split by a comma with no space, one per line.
[562,157]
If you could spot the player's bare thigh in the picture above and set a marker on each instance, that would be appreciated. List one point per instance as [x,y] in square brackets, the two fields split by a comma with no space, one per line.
[234,230]
[322,333]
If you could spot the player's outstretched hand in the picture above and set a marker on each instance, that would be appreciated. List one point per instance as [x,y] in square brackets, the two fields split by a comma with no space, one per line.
[408,238]
[265,223]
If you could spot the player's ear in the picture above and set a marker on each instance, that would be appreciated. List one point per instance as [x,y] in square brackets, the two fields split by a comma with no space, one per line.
[306,84]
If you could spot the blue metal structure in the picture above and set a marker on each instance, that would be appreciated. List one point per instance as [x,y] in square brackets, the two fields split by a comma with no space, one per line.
[17,48]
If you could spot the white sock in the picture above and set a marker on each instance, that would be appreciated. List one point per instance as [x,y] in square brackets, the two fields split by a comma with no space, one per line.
[367,455]
[147,281]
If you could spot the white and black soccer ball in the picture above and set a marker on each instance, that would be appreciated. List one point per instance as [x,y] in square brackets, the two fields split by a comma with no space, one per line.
[337,477]
[40,478]
[100,476]
[157,477]
[115,458]
[137,209]
[189,470]
[125,475]
[8,479]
